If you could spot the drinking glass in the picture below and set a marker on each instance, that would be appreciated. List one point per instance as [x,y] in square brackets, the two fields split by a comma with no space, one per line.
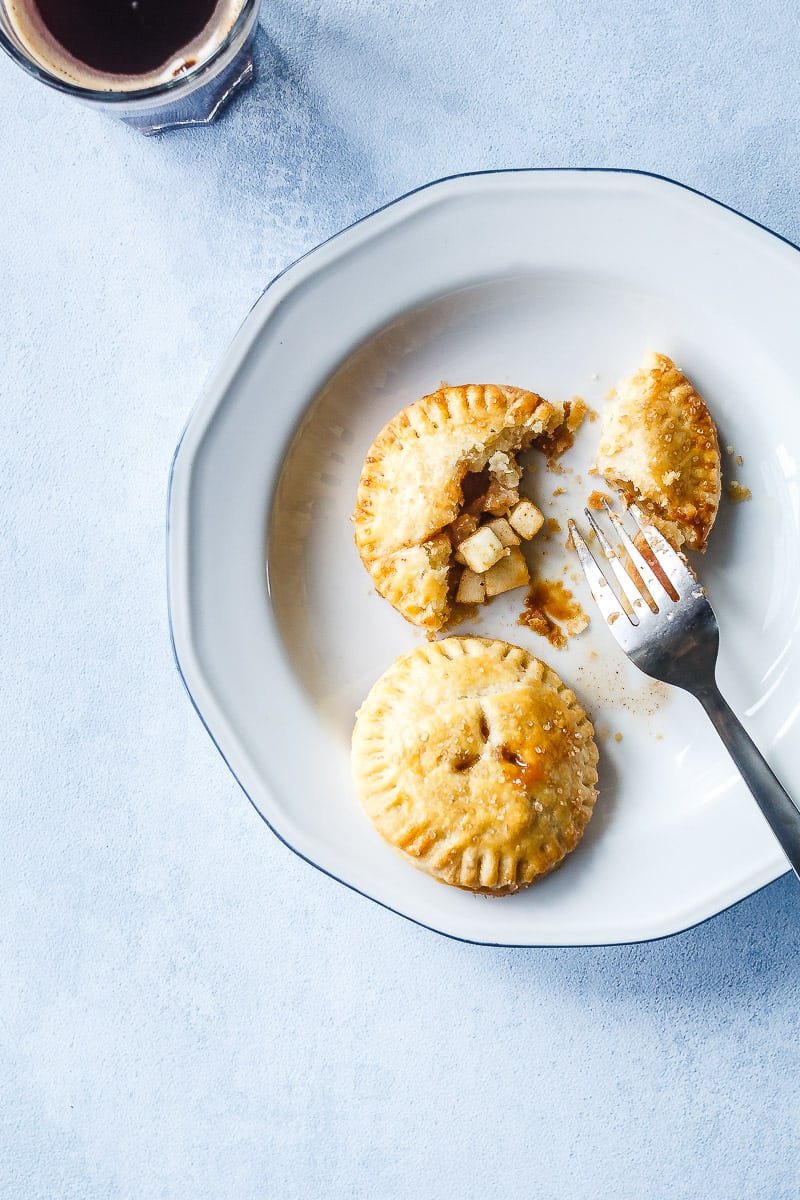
[194,97]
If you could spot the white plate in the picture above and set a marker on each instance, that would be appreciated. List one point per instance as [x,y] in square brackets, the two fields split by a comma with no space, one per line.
[557,281]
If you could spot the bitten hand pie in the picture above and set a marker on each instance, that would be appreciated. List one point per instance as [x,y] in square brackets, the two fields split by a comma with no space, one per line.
[476,762]
[659,445]
[438,518]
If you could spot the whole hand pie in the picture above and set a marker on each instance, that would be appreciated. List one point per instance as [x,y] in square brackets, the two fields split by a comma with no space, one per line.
[659,445]
[476,762]
[438,518]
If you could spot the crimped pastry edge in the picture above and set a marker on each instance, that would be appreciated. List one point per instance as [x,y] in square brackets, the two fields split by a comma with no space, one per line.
[453,871]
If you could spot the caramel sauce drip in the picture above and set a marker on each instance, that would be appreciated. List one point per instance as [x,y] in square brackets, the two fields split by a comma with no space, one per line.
[548,605]
[522,772]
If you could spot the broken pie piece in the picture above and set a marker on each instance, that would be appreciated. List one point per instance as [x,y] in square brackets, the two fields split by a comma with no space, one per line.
[476,762]
[659,444]
[439,497]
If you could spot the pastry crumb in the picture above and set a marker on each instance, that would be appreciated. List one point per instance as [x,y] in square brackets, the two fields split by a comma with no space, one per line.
[737,492]
[578,409]
[596,499]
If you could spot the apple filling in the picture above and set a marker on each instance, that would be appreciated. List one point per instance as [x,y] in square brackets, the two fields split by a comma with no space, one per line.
[487,533]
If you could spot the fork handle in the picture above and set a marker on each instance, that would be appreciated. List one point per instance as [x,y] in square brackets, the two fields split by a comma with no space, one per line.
[782,814]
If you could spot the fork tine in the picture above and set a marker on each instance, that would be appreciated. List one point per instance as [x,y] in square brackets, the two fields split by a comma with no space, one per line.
[601,589]
[651,558]
[672,564]
[651,581]
[631,596]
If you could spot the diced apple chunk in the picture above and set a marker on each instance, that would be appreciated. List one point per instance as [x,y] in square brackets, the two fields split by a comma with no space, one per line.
[481,550]
[471,588]
[502,527]
[525,519]
[576,624]
[510,572]
[502,530]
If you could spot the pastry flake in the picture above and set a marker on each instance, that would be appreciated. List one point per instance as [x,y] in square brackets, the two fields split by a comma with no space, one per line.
[433,483]
[659,444]
[476,762]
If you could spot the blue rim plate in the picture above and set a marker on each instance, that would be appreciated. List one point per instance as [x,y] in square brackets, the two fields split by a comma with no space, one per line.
[557,281]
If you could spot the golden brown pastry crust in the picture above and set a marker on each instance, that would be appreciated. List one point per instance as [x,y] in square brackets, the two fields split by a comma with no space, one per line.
[476,762]
[411,486]
[659,444]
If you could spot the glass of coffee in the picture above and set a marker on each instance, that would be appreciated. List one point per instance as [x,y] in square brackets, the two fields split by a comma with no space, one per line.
[155,64]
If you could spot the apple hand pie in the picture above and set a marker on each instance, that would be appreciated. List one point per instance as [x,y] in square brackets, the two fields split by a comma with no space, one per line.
[476,762]
[439,519]
[659,444]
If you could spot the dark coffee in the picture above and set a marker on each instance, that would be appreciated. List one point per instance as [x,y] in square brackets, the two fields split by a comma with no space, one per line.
[124,37]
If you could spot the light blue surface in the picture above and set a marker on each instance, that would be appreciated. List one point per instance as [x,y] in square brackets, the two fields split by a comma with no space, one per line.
[186,1009]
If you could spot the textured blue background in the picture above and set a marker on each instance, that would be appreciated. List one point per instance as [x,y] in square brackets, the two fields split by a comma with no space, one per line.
[186,1010]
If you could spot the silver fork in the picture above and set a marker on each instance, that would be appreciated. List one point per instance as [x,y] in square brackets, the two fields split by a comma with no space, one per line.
[664,622]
